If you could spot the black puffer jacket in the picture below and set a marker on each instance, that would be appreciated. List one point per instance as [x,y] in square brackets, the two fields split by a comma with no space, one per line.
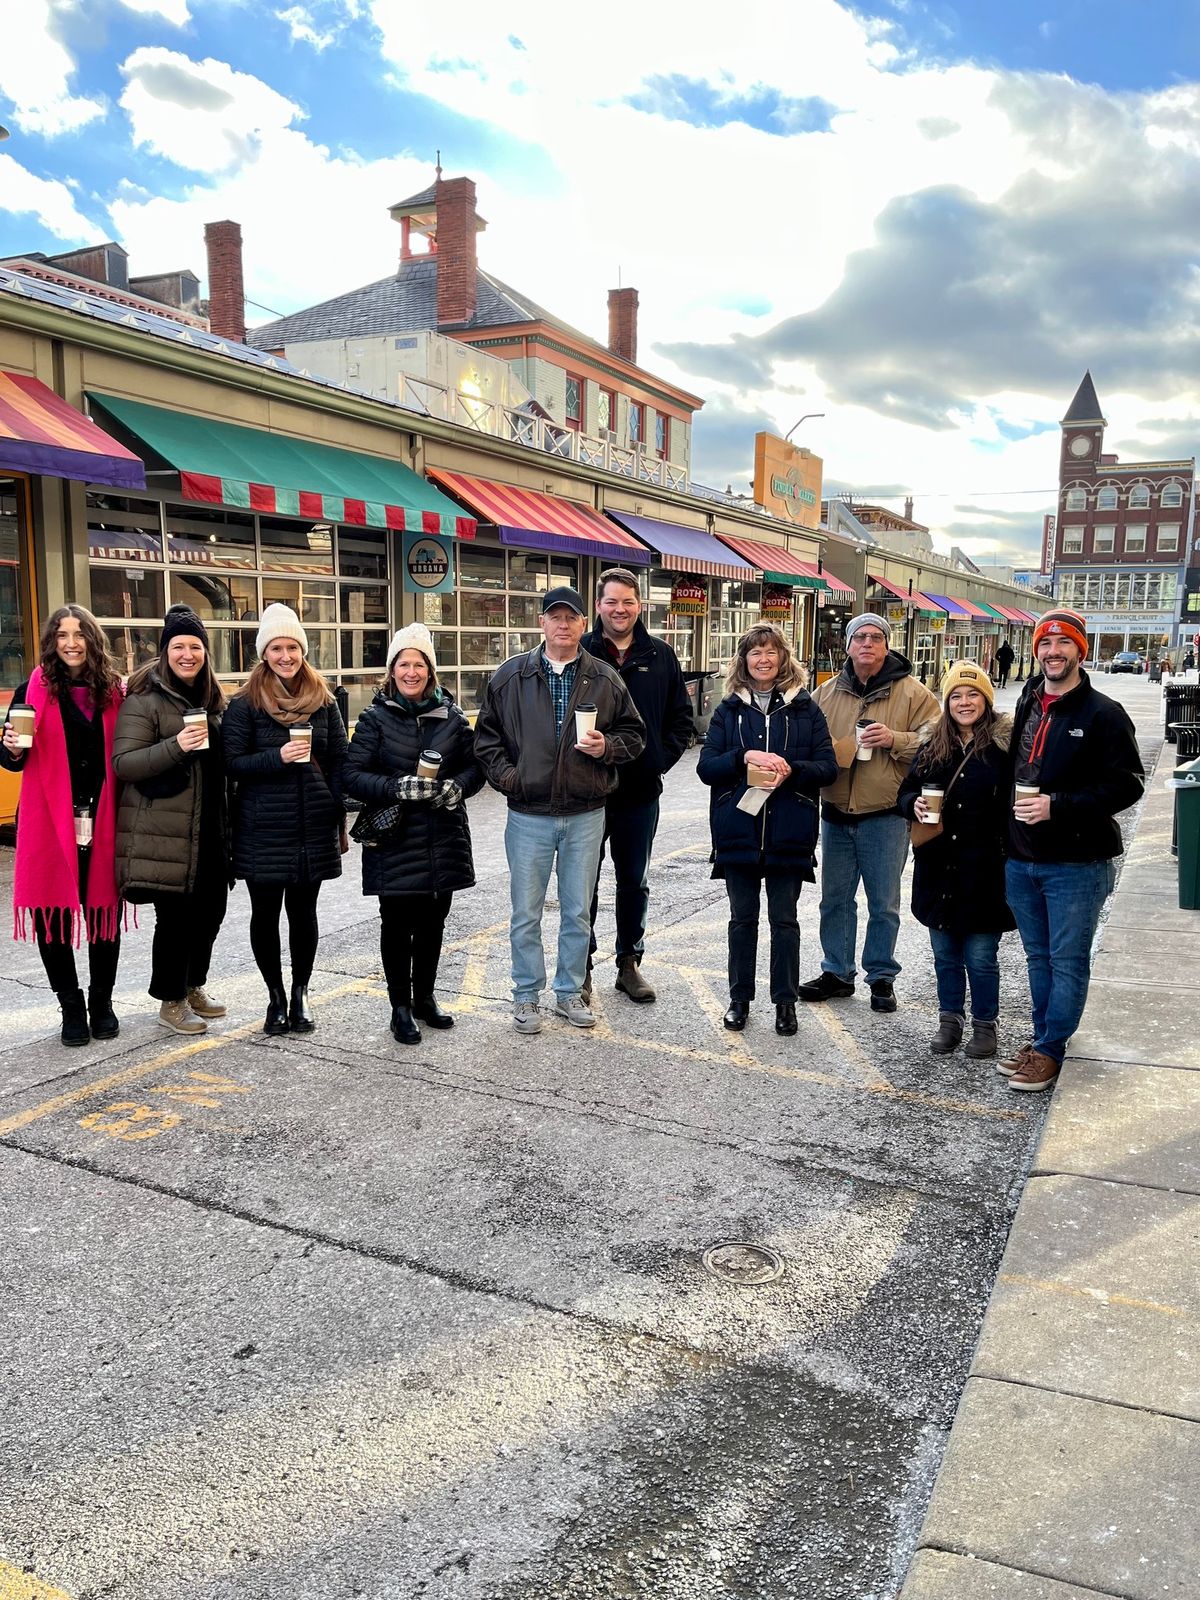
[958,878]
[287,816]
[652,674]
[432,852]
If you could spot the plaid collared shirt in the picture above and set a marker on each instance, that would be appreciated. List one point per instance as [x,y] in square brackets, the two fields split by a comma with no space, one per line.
[560,684]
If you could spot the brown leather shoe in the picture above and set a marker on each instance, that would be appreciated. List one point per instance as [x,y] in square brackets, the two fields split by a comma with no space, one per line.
[631,982]
[1038,1073]
[1014,1062]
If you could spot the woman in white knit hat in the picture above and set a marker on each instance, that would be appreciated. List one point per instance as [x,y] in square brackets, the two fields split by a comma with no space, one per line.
[426,853]
[285,745]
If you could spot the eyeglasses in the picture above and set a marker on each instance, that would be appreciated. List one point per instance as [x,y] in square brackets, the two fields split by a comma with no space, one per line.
[868,636]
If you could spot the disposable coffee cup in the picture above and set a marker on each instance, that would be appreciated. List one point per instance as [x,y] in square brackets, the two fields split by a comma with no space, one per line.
[863,753]
[932,797]
[22,719]
[84,828]
[585,721]
[428,763]
[1025,791]
[197,719]
[760,777]
[303,732]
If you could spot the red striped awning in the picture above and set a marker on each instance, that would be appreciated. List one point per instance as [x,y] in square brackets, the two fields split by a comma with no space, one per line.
[916,600]
[1011,614]
[973,610]
[542,521]
[843,591]
[42,434]
[776,564]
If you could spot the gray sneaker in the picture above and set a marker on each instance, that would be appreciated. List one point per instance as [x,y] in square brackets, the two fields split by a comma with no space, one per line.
[576,1013]
[525,1017]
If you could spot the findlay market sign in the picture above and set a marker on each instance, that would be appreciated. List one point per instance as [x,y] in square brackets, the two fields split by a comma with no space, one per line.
[791,489]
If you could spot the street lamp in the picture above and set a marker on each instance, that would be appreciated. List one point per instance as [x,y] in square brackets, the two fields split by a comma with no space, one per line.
[3,134]
[807,417]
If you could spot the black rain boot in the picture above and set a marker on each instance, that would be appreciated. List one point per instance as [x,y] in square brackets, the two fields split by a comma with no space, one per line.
[74,1018]
[404,1029]
[300,1015]
[429,1011]
[101,1015]
[277,1012]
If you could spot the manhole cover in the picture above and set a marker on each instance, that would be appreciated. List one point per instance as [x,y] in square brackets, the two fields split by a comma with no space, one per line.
[743,1263]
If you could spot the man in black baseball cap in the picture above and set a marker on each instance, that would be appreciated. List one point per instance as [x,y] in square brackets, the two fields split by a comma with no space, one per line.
[554,726]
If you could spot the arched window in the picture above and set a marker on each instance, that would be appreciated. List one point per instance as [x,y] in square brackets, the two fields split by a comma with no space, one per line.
[1076,500]
[1106,498]
[1172,494]
[1139,497]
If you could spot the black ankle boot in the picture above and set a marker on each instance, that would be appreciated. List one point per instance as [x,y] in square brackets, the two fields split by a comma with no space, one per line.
[300,1012]
[404,1029]
[737,1014]
[74,1018]
[785,1017]
[277,1012]
[101,1015]
[429,1011]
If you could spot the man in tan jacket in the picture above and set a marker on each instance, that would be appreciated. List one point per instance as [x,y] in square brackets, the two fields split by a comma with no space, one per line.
[877,714]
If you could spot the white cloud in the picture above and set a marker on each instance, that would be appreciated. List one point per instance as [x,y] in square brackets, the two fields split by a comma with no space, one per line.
[35,71]
[303,28]
[202,115]
[175,11]
[47,199]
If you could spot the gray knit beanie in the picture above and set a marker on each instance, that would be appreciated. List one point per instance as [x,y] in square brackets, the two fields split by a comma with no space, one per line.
[869,619]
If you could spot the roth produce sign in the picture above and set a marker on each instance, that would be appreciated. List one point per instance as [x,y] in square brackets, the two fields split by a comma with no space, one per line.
[787,480]
[689,597]
[777,604]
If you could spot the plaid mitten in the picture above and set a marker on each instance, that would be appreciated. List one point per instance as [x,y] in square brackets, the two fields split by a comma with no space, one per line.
[414,788]
[449,794]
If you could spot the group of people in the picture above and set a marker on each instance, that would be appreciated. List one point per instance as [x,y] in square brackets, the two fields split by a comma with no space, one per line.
[160,791]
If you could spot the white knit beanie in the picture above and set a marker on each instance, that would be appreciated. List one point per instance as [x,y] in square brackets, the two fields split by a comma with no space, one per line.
[280,622]
[415,637]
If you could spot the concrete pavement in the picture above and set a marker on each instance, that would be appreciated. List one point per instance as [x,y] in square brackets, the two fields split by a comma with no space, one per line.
[326,1316]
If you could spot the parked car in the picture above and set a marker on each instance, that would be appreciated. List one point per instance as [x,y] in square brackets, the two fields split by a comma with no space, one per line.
[1127,661]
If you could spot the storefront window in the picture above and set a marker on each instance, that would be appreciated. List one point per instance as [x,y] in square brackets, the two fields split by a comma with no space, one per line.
[362,553]
[734,607]
[289,545]
[312,602]
[17,645]
[132,646]
[124,529]
[217,597]
[677,631]
[127,592]
[197,537]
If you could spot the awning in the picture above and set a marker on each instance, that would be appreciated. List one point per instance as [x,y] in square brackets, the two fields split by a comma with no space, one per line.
[685,549]
[924,603]
[222,463]
[41,433]
[776,564]
[841,591]
[892,588]
[1028,615]
[542,521]
[993,611]
[953,608]
[974,610]
[1011,614]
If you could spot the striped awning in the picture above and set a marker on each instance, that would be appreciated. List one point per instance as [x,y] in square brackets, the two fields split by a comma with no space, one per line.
[543,521]
[841,591]
[681,549]
[1011,614]
[952,608]
[42,434]
[776,564]
[222,463]
[974,610]
[916,601]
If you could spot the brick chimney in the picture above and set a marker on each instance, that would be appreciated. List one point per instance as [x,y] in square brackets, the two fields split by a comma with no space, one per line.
[226,295]
[457,225]
[908,509]
[622,323]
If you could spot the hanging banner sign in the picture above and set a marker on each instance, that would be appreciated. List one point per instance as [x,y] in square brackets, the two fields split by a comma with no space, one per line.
[777,603]
[428,563]
[896,614]
[937,624]
[1047,545]
[689,597]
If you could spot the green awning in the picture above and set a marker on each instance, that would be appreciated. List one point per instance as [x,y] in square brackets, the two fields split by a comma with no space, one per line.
[222,463]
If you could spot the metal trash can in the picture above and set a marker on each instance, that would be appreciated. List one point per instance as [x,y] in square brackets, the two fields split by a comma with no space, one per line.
[1186,736]
[1186,784]
[1181,703]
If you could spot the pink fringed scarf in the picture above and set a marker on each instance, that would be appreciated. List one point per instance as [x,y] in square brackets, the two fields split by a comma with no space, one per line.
[47,868]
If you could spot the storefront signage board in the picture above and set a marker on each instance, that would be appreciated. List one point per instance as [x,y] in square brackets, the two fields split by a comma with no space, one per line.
[689,597]
[428,561]
[776,603]
[787,480]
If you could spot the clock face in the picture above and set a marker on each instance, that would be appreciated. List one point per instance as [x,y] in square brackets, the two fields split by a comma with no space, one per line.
[1080,445]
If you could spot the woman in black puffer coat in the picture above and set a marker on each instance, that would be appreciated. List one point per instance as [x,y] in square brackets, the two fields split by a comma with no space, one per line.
[417,868]
[288,810]
[765,831]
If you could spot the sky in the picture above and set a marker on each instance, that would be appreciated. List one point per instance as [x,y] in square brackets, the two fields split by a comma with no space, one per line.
[922,220]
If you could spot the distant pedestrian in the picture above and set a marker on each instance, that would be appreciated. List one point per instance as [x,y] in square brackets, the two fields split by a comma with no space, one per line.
[64,876]
[958,875]
[285,744]
[877,714]
[425,857]
[1076,765]
[765,757]
[1005,657]
[534,742]
[651,672]
[173,819]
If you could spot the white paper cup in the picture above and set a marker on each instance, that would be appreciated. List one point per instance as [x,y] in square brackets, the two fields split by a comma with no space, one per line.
[864,752]
[22,719]
[585,721]
[1025,791]
[303,732]
[197,719]
[429,763]
[932,797]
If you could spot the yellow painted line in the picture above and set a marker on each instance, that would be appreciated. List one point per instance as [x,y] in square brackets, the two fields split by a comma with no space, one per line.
[841,1037]
[184,1052]
[18,1585]
[1101,1296]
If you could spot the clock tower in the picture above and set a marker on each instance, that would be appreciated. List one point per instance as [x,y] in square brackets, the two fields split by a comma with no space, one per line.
[1082,436]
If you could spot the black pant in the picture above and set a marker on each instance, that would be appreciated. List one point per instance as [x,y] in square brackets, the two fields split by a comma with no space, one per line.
[410,943]
[629,838]
[185,929]
[1002,676]
[299,900]
[744,888]
[58,952]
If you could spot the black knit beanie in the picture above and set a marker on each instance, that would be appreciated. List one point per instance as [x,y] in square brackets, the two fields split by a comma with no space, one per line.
[182,619]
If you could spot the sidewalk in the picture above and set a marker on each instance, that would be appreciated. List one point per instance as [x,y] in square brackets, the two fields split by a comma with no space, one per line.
[1073,1467]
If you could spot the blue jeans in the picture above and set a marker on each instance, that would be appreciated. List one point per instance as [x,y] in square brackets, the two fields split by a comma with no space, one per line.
[535,845]
[629,835]
[1057,906]
[872,851]
[959,956]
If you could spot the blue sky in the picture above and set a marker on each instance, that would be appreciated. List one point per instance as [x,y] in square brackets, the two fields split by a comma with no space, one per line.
[923,220]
